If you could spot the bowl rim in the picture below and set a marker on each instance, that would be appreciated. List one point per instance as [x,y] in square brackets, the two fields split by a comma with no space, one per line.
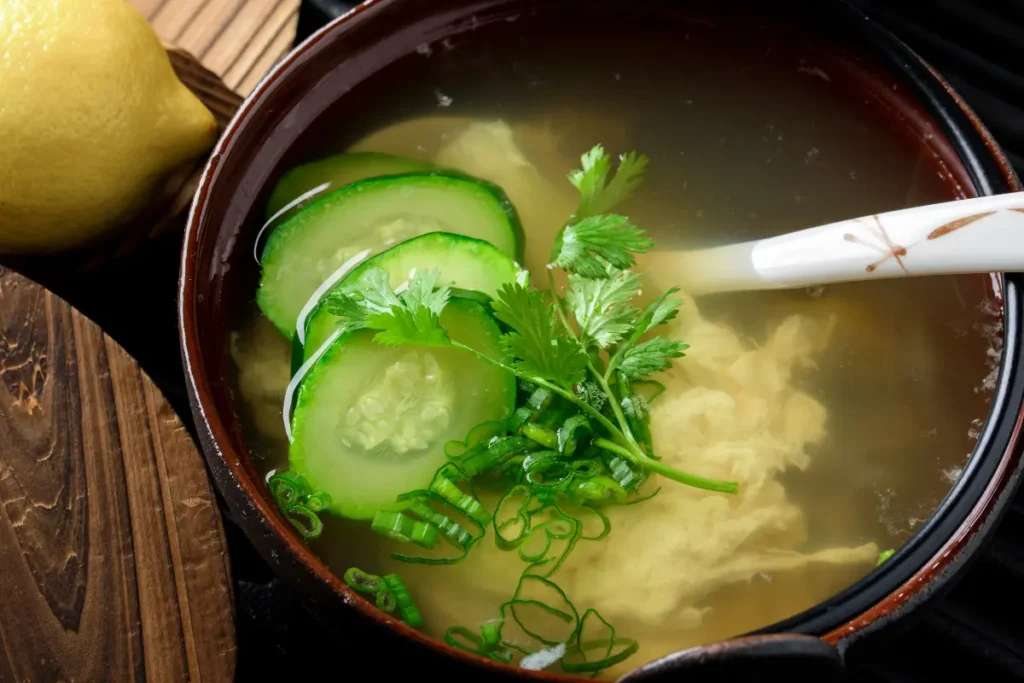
[990,172]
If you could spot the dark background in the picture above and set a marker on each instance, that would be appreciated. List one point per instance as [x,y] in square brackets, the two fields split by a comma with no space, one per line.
[976,630]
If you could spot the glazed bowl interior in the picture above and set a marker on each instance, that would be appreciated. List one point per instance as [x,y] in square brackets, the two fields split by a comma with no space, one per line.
[756,123]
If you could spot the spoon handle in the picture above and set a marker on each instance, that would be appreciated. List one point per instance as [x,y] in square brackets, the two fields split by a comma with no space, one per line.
[980,235]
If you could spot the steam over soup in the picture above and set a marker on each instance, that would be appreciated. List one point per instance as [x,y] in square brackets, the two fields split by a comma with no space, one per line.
[588,481]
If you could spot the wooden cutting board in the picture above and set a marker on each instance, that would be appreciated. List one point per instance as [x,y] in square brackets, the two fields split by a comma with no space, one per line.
[113,563]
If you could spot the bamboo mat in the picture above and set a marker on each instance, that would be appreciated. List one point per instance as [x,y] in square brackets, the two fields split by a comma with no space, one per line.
[239,40]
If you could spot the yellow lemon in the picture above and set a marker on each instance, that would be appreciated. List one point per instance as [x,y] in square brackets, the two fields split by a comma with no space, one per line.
[92,119]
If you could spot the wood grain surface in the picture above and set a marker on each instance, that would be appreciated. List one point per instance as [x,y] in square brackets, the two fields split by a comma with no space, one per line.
[113,565]
[238,40]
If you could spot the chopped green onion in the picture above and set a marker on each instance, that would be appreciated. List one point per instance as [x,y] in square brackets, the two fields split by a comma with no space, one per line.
[400,527]
[545,437]
[535,546]
[615,649]
[362,582]
[587,468]
[455,450]
[648,390]
[305,521]
[547,469]
[571,432]
[467,504]
[318,502]
[506,514]
[497,453]
[568,615]
[597,490]
[635,411]
[386,600]
[560,411]
[624,472]
[606,525]
[484,432]
[641,499]
[420,559]
[520,417]
[407,609]
[287,489]
[490,633]
[540,399]
[298,504]
[451,530]
[464,639]
[478,439]
[884,555]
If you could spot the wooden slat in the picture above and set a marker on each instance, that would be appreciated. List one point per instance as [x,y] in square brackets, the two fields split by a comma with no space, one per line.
[211,21]
[175,16]
[147,7]
[238,40]
[225,51]
[281,19]
[275,50]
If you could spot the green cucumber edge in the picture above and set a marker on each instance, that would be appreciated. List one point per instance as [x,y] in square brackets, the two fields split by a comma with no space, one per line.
[307,392]
[456,293]
[277,235]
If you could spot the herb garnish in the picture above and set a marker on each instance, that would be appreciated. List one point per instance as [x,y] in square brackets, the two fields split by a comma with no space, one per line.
[590,332]
[579,439]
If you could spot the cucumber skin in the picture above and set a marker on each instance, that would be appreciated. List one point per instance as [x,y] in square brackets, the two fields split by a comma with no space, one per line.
[376,259]
[326,168]
[307,393]
[295,221]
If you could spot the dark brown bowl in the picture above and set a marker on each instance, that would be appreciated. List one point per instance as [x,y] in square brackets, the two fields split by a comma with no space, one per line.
[339,68]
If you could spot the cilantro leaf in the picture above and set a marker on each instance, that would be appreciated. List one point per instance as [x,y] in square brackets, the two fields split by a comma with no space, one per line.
[588,247]
[349,308]
[660,311]
[536,345]
[600,306]
[597,193]
[370,293]
[403,325]
[421,292]
[409,316]
[649,357]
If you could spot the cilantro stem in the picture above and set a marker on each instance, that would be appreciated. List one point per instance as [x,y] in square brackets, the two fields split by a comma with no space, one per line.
[569,396]
[629,450]
[560,306]
[616,408]
[602,380]
[666,471]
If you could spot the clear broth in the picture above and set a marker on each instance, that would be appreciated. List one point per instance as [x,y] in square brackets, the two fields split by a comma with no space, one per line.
[741,147]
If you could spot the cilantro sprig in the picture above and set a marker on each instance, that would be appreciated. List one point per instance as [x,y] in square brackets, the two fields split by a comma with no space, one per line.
[586,344]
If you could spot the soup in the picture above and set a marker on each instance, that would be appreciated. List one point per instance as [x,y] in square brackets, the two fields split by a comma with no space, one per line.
[843,413]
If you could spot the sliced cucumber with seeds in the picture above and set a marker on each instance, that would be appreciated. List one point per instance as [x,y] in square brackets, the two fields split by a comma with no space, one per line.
[471,264]
[334,172]
[368,217]
[371,421]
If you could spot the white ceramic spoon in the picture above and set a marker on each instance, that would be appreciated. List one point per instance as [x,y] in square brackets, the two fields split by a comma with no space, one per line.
[979,235]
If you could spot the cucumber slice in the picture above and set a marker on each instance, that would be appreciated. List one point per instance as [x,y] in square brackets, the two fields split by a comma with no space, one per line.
[335,171]
[471,264]
[371,421]
[368,217]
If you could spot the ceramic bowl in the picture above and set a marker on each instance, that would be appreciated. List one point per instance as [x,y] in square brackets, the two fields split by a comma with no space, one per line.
[344,66]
